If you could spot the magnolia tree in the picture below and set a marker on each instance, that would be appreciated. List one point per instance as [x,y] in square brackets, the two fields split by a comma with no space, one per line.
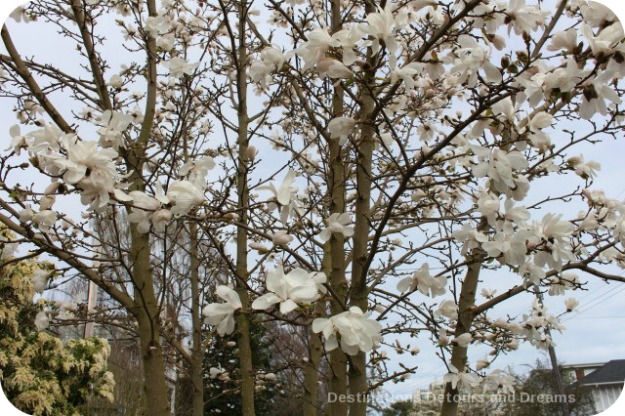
[318,150]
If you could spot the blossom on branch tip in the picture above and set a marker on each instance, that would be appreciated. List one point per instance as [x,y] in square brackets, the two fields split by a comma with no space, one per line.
[337,224]
[179,67]
[340,128]
[571,304]
[112,125]
[185,196]
[222,314]
[315,48]
[357,331]
[424,282]
[463,340]
[285,198]
[281,238]
[291,289]
[18,142]
[460,379]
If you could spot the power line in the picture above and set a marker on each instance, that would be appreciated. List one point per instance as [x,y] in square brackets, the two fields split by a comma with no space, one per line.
[587,308]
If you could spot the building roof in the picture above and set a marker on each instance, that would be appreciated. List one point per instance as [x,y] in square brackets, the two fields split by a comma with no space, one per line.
[613,372]
[582,365]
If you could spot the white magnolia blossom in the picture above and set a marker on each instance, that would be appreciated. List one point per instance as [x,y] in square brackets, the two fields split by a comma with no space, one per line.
[166,42]
[178,67]
[463,340]
[406,74]
[333,69]
[607,42]
[157,25]
[566,40]
[349,39]
[488,293]
[571,304]
[382,25]
[112,126]
[585,170]
[298,287]
[559,284]
[481,364]
[185,196]
[337,224]
[20,15]
[532,274]
[422,280]
[357,331]
[285,198]
[46,141]
[7,250]
[448,309]
[281,238]
[524,19]
[499,380]
[116,81]
[148,211]
[316,46]
[551,236]
[469,236]
[596,92]
[460,379]
[471,58]
[340,128]
[503,169]
[45,219]
[222,314]
[196,170]
[82,163]
[443,338]
[218,373]
[536,325]
[18,142]
[46,202]
[83,156]
[271,59]
[512,247]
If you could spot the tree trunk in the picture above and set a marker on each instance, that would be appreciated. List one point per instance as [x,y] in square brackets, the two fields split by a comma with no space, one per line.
[146,311]
[358,386]
[197,379]
[154,384]
[337,379]
[243,325]
[315,350]
[311,376]
[466,316]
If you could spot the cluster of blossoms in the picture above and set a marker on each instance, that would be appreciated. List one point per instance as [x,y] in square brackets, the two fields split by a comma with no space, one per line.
[92,169]
[357,331]
[286,201]
[537,324]
[298,287]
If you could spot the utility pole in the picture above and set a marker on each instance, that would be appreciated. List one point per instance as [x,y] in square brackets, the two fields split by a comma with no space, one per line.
[92,298]
[554,364]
